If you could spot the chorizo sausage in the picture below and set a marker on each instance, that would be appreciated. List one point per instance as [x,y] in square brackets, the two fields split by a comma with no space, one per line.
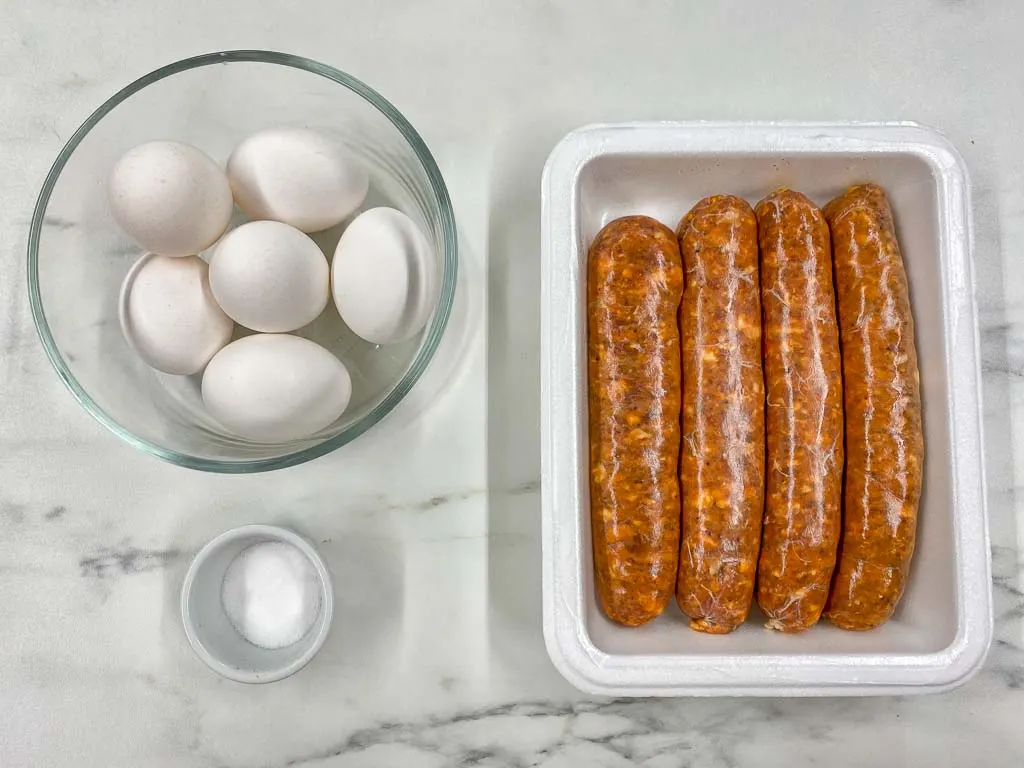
[722,454]
[634,285]
[884,437]
[803,412]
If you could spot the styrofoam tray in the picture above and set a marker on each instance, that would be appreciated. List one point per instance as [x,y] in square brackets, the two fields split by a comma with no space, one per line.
[942,629]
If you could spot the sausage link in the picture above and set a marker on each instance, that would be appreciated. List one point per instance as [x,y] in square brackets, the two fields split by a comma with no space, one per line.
[884,437]
[634,284]
[722,456]
[803,414]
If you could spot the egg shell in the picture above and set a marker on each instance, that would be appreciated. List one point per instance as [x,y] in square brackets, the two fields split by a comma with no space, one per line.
[270,277]
[169,316]
[273,388]
[297,176]
[384,277]
[170,198]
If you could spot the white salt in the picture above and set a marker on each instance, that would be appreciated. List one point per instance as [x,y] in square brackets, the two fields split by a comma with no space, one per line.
[271,594]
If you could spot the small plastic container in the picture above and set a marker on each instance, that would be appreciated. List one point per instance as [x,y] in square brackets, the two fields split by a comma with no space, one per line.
[211,634]
[942,628]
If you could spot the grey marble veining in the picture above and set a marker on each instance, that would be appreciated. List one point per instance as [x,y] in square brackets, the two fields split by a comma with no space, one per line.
[431,522]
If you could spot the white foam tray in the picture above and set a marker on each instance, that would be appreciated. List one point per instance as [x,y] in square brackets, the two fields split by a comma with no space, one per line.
[943,627]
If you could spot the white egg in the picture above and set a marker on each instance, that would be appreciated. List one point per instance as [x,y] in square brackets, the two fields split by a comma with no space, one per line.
[270,277]
[384,277]
[170,198]
[296,176]
[272,388]
[169,316]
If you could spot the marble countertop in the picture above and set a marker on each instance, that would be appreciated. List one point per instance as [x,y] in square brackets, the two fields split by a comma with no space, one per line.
[431,521]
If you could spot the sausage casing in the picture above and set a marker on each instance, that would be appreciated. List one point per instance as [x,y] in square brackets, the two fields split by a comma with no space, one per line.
[884,437]
[722,455]
[803,413]
[634,285]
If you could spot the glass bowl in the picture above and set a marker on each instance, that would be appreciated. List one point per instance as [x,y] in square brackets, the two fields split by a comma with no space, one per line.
[78,257]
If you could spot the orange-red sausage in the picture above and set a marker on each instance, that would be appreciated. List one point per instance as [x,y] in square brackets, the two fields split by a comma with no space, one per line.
[803,415]
[722,456]
[884,434]
[634,284]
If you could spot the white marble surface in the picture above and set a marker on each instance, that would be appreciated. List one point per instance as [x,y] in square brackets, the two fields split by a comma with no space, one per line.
[431,522]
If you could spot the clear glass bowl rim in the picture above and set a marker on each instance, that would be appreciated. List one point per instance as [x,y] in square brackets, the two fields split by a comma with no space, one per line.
[423,356]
